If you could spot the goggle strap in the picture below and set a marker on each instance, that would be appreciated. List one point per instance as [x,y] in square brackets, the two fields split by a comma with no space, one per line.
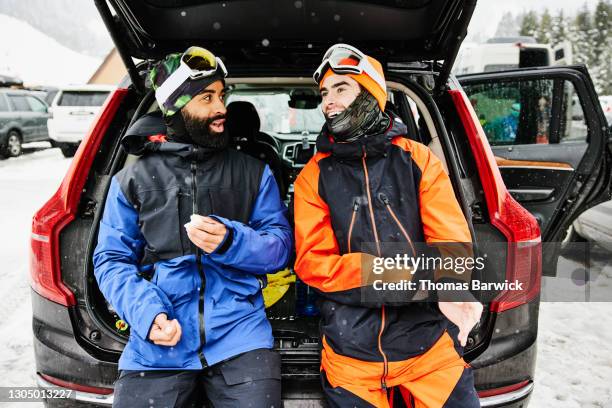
[373,73]
[364,64]
[172,83]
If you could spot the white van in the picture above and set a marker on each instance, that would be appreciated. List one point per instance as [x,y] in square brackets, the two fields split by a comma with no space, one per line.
[505,53]
[72,112]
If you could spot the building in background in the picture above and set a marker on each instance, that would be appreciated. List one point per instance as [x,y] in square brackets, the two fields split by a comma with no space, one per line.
[111,71]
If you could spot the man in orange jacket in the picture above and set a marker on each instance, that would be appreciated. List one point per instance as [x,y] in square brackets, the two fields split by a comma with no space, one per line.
[369,183]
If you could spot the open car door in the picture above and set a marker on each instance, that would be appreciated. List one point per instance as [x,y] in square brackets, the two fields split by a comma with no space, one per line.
[551,141]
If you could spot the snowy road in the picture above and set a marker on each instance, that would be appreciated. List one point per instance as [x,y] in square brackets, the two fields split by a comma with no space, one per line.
[574,367]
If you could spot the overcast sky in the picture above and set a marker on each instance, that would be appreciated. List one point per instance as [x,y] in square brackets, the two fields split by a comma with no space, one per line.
[489,12]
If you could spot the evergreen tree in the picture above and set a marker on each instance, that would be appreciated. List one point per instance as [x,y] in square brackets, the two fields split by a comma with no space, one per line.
[507,26]
[529,25]
[602,53]
[544,31]
[581,37]
[559,29]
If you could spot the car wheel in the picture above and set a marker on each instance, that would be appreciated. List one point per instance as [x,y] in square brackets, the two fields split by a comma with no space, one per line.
[68,150]
[12,146]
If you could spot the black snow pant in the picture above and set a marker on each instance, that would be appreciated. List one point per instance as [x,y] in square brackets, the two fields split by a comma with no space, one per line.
[251,379]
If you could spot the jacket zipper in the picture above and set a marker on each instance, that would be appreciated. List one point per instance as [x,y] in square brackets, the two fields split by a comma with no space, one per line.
[194,205]
[385,201]
[350,231]
[383,379]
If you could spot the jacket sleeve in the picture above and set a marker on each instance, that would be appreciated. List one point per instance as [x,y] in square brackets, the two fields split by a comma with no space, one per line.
[264,245]
[318,260]
[116,259]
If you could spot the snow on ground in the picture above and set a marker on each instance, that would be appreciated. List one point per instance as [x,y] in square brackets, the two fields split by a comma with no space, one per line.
[26,183]
[39,59]
[574,363]
[574,366]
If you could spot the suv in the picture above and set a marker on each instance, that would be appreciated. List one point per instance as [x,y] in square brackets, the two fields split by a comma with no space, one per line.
[272,48]
[72,112]
[23,119]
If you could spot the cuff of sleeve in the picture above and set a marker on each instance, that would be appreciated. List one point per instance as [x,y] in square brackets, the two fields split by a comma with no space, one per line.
[144,323]
[229,236]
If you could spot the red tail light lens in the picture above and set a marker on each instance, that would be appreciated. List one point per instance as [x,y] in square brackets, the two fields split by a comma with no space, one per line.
[524,262]
[48,222]
[77,387]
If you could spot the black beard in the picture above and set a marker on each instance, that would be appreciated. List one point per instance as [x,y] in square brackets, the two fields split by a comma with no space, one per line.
[200,133]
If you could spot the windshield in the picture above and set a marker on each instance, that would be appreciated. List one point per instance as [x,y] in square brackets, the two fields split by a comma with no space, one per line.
[276,116]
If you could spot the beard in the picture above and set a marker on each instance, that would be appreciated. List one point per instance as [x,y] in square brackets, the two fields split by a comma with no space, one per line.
[200,133]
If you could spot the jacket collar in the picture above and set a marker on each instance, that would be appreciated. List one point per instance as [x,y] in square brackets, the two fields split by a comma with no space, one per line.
[370,145]
[147,135]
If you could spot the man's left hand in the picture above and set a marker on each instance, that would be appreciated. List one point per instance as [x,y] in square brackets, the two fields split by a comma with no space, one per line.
[205,232]
[464,314]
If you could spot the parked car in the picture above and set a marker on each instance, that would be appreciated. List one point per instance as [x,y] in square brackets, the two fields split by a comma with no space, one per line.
[23,119]
[72,112]
[78,339]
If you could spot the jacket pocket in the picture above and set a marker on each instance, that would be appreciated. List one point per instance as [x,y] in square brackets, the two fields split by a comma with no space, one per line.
[160,224]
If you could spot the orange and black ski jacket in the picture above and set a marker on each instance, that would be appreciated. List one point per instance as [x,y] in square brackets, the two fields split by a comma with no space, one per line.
[381,189]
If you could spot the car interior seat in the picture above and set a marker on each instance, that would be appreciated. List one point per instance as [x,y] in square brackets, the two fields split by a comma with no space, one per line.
[243,125]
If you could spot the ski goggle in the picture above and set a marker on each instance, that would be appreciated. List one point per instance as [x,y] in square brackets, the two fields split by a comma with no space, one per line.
[195,63]
[344,59]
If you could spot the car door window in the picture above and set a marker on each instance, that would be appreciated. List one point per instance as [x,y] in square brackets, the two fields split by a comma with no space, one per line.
[20,103]
[3,104]
[36,105]
[521,112]
[573,127]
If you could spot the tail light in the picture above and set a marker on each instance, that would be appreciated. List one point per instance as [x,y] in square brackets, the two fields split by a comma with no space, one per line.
[505,390]
[77,387]
[54,215]
[524,262]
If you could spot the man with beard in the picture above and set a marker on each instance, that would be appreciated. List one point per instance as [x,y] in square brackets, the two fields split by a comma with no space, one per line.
[188,234]
[367,187]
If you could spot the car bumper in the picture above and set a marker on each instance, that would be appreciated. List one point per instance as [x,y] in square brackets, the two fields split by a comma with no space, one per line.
[516,398]
[59,355]
[67,137]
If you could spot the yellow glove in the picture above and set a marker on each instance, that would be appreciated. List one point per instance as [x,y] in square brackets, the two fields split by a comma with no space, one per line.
[278,285]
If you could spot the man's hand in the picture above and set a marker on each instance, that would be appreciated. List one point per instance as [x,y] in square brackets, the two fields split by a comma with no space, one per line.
[165,332]
[205,232]
[464,314]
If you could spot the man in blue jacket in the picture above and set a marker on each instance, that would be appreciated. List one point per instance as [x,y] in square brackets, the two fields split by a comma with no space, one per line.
[188,234]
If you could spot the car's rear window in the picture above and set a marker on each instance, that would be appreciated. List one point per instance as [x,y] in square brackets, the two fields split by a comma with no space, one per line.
[83,98]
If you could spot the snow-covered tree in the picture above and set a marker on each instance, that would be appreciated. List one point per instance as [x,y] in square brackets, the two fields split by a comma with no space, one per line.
[507,26]
[581,37]
[544,31]
[602,52]
[559,28]
[529,25]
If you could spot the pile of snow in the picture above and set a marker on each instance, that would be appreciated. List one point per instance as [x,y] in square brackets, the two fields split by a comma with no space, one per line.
[38,59]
